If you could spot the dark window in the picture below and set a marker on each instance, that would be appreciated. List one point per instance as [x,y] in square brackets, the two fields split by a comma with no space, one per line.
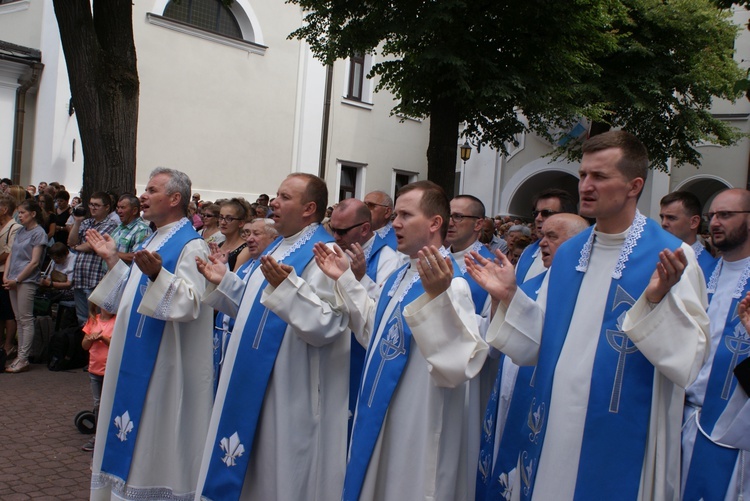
[356,76]
[401,181]
[210,15]
[348,186]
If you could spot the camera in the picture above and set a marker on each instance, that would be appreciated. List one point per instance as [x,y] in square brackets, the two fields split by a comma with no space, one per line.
[79,211]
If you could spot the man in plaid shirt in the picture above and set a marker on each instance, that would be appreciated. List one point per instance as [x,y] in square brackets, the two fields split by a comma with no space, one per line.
[88,270]
[132,230]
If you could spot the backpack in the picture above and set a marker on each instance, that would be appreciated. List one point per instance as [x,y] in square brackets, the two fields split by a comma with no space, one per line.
[65,350]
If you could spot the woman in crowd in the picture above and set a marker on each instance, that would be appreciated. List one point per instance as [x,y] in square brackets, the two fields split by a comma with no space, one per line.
[62,213]
[22,275]
[210,232]
[48,207]
[232,216]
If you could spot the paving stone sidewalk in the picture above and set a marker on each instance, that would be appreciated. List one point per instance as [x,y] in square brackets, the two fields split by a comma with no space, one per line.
[40,447]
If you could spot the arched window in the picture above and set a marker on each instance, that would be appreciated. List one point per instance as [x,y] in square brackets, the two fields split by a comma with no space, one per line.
[210,15]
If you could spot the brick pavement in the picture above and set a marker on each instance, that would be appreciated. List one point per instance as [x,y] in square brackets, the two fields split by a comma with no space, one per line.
[40,447]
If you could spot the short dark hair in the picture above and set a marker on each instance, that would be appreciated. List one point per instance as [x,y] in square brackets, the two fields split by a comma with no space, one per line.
[477,207]
[58,249]
[316,191]
[568,202]
[7,181]
[634,161]
[62,195]
[689,201]
[104,197]
[434,201]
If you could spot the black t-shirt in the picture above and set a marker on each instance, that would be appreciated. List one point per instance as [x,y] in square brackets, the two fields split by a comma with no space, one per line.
[61,234]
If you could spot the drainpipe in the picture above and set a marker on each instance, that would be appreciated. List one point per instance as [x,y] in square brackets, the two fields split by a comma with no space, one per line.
[26,84]
[326,122]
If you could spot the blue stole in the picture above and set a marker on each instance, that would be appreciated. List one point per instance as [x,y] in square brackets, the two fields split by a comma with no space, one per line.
[390,357]
[256,356]
[620,398]
[711,465]
[525,261]
[387,234]
[493,483]
[222,333]
[138,360]
[706,261]
[357,352]
[478,295]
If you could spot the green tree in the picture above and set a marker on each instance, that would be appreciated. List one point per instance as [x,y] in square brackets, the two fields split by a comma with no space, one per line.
[100,57]
[503,67]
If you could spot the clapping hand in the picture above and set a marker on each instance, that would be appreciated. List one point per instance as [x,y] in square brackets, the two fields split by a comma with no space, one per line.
[435,271]
[668,271]
[497,277]
[332,262]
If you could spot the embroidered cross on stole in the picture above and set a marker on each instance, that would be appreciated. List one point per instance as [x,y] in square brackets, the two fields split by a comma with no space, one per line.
[619,402]
[711,465]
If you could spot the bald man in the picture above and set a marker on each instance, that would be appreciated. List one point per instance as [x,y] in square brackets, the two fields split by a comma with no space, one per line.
[372,262]
[709,470]
[510,402]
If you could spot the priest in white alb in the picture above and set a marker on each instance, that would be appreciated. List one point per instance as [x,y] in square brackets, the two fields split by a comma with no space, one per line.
[408,439]
[157,394]
[618,331]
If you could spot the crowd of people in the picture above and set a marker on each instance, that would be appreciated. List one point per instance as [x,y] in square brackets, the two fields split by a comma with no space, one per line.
[418,350]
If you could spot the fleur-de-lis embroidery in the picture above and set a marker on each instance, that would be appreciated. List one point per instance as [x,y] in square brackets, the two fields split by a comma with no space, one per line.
[232,449]
[485,465]
[535,420]
[527,472]
[506,484]
[488,425]
[124,425]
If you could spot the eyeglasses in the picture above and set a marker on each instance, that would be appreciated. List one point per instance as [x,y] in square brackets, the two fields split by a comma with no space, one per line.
[96,206]
[457,218]
[723,215]
[372,205]
[206,216]
[228,219]
[544,213]
[246,233]
[343,231]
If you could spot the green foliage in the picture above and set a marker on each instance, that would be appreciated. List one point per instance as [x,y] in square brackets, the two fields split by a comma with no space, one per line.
[649,66]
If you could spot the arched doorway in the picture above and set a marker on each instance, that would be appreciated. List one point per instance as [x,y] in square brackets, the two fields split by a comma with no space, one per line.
[521,199]
[704,187]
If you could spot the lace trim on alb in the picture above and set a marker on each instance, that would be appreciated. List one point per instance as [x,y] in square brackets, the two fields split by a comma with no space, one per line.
[631,240]
[741,283]
[443,252]
[302,240]
[103,480]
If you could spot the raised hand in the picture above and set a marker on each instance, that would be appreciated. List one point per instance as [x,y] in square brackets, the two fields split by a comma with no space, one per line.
[219,254]
[332,262]
[213,269]
[274,271]
[668,271]
[435,271]
[148,262]
[357,261]
[496,277]
[743,309]
[104,246]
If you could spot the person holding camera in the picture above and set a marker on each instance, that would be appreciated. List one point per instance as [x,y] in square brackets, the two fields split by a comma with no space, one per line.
[88,270]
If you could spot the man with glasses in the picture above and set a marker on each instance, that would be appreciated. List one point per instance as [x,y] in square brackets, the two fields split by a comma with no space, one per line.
[381,208]
[132,229]
[546,203]
[372,262]
[680,215]
[710,470]
[89,269]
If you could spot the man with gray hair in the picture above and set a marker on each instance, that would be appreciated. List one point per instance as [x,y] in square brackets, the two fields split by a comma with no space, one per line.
[381,207]
[132,230]
[157,396]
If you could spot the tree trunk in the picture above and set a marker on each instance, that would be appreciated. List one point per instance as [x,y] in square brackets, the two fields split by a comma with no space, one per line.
[443,148]
[100,57]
